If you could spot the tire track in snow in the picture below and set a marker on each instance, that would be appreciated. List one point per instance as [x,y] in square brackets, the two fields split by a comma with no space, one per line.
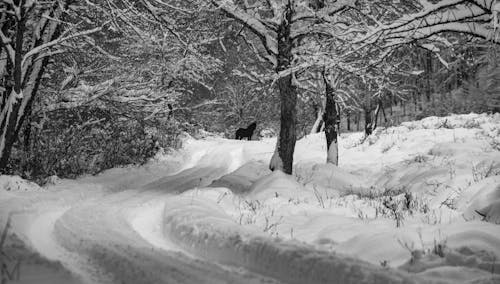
[121,234]
[112,236]
[147,221]
[206,231]
[40,233]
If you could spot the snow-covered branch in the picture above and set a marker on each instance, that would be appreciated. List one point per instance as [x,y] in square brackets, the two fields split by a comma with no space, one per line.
[57,41]
[470,17]
[256,25]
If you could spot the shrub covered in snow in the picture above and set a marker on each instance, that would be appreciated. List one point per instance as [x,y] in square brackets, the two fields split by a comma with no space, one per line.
[89,140]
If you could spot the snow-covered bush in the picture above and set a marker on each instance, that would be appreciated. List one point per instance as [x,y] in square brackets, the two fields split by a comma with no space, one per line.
[89,140]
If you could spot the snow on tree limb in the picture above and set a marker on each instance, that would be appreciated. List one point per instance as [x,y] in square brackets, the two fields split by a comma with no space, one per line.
[6,44]
[57,41]
[256,25]
[469,17]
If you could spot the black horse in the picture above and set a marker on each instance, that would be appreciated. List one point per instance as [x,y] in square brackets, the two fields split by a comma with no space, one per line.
[246,132]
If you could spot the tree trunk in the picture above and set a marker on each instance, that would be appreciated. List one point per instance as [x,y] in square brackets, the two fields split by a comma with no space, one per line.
[348,116]
[276,163]
[319,121]
[428,64]
[415,101]
[287,135]
[368,122]
[331,125]
[375,117]
[288,97]
[383,113]
[358,119]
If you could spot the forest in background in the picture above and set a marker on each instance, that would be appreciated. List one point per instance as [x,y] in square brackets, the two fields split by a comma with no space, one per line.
[90,85]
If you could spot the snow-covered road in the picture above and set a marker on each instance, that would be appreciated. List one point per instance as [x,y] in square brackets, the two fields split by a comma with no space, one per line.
[162,223]
[106,232]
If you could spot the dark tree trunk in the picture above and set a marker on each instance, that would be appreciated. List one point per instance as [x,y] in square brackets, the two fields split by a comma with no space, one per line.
[9,126]
[331,124]
[368,121]
[385,116]
[375,116]
[27,135]
[348,117]
[415,101]
[288,96]
[287,136]
[358,119]
[428,64]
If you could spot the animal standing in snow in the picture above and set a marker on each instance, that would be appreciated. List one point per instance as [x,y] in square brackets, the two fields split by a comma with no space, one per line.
[246,132]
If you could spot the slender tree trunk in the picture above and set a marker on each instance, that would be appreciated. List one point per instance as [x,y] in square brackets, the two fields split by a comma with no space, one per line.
[331,124]
[288,97]
[375,116]
[348,117]
[358,119]
[386,121]
[368,121]
[428,64]
[319,121]
[415,101]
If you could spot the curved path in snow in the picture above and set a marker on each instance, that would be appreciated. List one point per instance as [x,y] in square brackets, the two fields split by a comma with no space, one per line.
[131,227]
[108,228]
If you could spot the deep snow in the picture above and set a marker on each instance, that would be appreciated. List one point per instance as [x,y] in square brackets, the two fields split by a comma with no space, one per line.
[417,203]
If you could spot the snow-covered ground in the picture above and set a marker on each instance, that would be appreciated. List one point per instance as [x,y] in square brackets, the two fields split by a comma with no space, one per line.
[419,203]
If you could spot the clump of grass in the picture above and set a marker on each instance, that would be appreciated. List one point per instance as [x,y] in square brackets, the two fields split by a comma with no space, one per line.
[484,170]
[394,210]
[439,250]
[472,124]
[395,203]
[419,158]
[251,211]
[445,124]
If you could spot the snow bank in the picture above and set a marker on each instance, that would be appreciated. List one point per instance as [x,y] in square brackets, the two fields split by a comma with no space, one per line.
[483,201]
[276,184]
[204,229]
[17,184]
[446,167]
[242,179]
[477,262]
[471,120]
[456,274]
[328,177]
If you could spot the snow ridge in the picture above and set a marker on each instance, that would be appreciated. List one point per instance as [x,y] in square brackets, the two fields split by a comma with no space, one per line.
[204,229]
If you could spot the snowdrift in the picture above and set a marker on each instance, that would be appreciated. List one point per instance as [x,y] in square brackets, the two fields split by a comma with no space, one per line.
[444,169]
[205,230]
